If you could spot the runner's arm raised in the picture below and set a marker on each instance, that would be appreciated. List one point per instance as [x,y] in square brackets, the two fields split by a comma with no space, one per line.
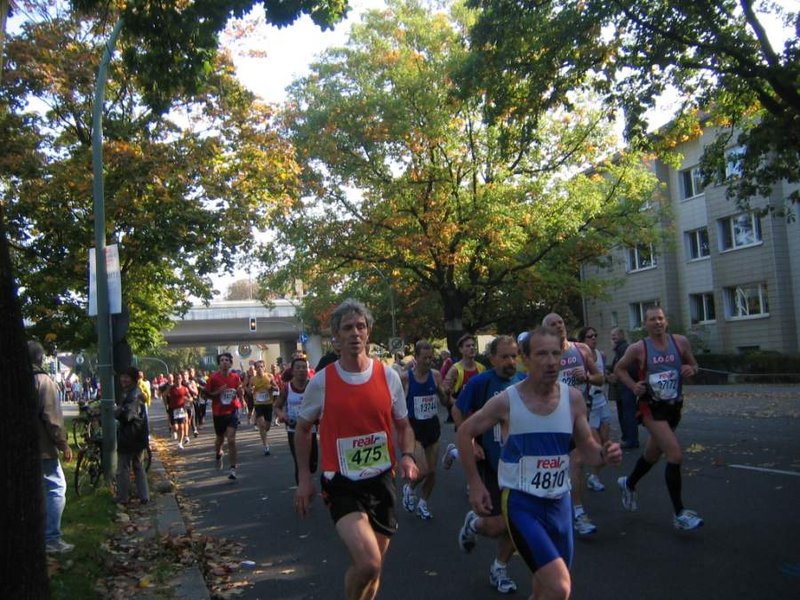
[631,358]
[689,368]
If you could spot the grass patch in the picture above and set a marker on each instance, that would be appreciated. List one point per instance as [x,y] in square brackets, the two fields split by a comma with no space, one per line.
[113,558]
[87,523]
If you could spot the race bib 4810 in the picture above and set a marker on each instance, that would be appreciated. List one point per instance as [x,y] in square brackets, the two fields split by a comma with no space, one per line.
[545,476]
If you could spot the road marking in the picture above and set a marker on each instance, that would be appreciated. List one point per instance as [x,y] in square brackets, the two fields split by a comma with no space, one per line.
[764,470]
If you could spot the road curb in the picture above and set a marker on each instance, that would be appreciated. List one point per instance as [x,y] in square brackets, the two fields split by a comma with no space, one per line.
[187,584]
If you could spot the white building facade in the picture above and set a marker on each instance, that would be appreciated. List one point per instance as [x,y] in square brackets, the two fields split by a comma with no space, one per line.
[729,277]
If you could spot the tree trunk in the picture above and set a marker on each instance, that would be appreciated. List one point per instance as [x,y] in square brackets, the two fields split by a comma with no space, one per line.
[24,567]
[453,320]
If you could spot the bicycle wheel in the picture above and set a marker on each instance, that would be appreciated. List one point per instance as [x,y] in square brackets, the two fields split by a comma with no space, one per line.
[79,431]
[87,471]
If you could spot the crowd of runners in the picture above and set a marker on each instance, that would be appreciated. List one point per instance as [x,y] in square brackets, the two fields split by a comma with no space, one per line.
[532,430]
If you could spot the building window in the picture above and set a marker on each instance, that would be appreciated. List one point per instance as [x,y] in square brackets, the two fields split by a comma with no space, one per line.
[749,300]
[691,183]
[739,231]
[733,162]
[697,243]
[641,257]
[638,310]
[702,308]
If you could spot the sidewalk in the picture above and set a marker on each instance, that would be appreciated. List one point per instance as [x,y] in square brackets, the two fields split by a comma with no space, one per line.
[188,583]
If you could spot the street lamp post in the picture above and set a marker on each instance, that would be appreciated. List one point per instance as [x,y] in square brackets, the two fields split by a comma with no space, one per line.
[104,352]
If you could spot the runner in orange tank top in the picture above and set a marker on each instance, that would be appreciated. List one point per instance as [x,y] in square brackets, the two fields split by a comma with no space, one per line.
[359,405]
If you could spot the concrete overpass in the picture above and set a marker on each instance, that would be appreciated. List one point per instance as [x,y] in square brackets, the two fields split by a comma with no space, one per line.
[227,324]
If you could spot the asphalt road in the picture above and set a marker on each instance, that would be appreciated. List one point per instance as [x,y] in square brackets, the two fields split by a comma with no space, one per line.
[741,473]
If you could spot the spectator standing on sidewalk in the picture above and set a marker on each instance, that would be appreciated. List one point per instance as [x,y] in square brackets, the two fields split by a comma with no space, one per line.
[624,397]
[52,440]
[132,440]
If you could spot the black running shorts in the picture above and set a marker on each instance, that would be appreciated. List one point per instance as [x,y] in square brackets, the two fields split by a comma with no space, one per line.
[376,497]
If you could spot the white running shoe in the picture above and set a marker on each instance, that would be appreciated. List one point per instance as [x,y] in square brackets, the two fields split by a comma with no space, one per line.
[180,446]
[629,496]
[59,547]
[409,498]
[593,483]
[687,520]
[584,525]
[468,535]
[499,579]
[232,474]
[449,456]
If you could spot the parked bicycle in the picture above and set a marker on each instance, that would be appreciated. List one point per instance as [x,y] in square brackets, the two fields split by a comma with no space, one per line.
[87,424]
[89,465]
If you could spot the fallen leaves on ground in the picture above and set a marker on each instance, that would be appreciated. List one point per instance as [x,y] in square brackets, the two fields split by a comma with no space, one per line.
[141,563]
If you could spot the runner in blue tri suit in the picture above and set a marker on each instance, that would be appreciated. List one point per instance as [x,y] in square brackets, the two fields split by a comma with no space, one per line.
[538,419]
[503,351]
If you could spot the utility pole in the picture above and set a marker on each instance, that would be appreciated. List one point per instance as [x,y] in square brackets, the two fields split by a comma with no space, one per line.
[104,353]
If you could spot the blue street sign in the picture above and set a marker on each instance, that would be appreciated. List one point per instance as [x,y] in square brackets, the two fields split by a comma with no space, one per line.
[303,337]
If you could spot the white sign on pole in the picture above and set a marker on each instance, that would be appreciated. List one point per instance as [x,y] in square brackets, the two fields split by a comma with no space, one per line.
[114,281]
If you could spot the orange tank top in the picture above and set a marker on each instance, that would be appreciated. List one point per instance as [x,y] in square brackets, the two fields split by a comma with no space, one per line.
[356,427]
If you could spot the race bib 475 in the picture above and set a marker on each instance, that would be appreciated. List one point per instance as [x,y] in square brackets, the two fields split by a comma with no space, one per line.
[364,456]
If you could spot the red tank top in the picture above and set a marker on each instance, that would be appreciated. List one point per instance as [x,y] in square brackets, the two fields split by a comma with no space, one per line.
[356,426]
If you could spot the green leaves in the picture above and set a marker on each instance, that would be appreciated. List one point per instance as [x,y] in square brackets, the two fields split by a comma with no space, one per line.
[476,221]
[716,55]
[183,194]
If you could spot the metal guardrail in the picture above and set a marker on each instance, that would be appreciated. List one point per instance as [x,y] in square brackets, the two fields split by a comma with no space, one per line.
[739,377]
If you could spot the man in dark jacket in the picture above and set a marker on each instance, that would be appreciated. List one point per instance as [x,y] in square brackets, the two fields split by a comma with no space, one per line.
[52,440]
[132,437]
[626,401]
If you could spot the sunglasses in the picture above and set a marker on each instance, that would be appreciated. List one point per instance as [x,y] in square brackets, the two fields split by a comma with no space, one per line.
[592,335]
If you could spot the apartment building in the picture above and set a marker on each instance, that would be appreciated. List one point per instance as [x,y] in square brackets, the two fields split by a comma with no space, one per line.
[729,277]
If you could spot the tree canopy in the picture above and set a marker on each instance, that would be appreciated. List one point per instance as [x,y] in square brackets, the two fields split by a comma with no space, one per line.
[183,192]
[717,55]
[170,47]
[481,224]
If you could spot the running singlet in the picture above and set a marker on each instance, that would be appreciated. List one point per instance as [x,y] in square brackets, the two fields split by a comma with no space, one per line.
[227,402]
[475,394]
[463,376]
[356,427]
[535,457]
[598,392]
[293,401]
[663,371]
[421,398]
[177,401]
[571,361]
[262,394]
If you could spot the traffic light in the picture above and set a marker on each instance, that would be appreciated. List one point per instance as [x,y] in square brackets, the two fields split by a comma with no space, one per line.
[252,323]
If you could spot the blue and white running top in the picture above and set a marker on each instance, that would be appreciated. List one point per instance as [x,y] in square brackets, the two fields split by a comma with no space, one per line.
[535,457]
